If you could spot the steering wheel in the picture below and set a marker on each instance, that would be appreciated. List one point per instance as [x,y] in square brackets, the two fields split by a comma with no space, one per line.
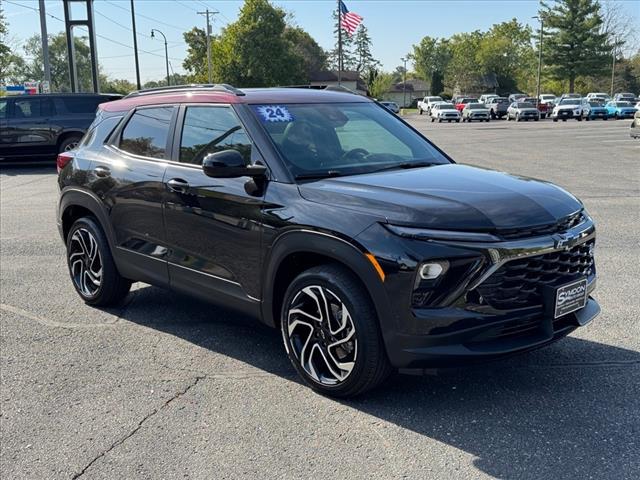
[355,154]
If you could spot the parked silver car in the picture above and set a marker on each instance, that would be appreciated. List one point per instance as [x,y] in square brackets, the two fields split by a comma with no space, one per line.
[475,111]
[523,111]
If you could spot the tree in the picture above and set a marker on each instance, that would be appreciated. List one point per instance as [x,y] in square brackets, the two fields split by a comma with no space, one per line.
[313,57]
[120,86]
[381,84]
[349,61]
[10,63]
[464,68]
[506,50]
[574,43]
[58,59]
[196,60]
[252,51]
[362,51]
[431,58]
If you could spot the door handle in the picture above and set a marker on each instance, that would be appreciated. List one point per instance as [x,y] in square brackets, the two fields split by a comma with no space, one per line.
[178,185]
[102,172]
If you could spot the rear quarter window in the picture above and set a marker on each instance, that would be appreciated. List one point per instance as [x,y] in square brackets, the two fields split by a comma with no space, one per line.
[4,109]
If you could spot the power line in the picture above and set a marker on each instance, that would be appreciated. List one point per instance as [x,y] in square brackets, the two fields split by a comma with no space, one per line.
[182,30]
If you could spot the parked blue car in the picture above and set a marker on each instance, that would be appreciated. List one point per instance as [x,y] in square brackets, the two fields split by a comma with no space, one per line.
[620,109]
[593,109]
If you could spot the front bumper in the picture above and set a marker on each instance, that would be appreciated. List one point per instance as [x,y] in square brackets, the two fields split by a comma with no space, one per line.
[455,328]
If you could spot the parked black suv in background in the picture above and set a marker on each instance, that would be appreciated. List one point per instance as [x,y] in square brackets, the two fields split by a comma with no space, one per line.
[323,214]
[41,126]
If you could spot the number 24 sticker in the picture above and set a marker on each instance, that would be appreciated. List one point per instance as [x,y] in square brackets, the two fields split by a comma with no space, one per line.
[274,113]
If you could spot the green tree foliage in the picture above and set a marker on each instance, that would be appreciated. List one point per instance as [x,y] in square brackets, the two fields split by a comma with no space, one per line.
[253,51]
[464,68]
[349,60]
[574,43]
[58,58]
[380,85]
[11,64]
[431,58]
[196,60]
[314,58]
[362,51]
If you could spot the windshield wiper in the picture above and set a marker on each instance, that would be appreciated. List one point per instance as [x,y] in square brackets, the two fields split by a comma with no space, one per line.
[405,166]
[312,176]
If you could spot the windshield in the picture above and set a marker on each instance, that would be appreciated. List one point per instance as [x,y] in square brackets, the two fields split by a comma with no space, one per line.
[570,101]
[475,106]
[623,104]
[525,105]
[334,139]
[595,104]
[446,106]
[434,99]
[547,97]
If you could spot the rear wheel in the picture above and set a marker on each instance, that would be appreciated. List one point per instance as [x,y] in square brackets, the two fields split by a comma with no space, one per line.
[91,266]
[433,120]
[69,143]
[331,333]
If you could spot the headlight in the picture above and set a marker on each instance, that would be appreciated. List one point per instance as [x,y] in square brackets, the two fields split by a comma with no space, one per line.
[430,234]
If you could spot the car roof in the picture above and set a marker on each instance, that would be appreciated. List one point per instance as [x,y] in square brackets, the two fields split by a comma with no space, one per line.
[230,95]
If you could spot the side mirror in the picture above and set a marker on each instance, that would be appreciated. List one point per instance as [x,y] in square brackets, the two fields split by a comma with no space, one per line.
[230,164]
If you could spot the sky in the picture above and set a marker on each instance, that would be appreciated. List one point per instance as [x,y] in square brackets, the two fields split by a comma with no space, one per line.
[394,25]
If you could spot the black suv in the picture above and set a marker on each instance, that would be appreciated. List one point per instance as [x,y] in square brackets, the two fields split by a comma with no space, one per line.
[323,214]
[41,126]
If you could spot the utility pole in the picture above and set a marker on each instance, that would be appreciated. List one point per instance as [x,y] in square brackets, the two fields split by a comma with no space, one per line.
[135,46]
[404,83]
[208,13]
[166,51]
[539,60]
[45,42]
[613,68]
[339,44]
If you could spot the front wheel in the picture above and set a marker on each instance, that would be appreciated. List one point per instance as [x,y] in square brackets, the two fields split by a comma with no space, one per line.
[331,334]
[91,266]
[420,111]
[69,143]
[433,120]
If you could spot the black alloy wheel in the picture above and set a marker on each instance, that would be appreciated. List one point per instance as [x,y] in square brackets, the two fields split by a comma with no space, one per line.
[331,334]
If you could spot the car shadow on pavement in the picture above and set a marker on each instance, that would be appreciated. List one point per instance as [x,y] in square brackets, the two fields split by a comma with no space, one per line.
[21,170]
[570,410]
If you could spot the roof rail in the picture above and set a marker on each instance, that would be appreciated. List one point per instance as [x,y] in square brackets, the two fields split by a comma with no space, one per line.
[216,87]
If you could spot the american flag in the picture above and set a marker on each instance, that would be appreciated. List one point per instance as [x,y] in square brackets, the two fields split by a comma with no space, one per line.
[350,20]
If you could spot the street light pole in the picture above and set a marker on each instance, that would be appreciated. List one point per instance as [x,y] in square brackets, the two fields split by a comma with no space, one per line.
[613,68]
[404,83]
[166,51]
[539,60]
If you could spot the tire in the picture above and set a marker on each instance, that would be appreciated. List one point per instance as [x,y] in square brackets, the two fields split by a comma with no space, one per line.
[362,363]
[420,111]
[69,143]
[517,117]
[604,118]
[439,120]
[579,119]
[87,243]
[493,114]
[543,116]
[458,121]
[433,120]
[536,119]
[487,120]
[555,119]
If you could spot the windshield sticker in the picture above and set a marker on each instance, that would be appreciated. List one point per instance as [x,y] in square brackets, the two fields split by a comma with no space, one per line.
[274,113]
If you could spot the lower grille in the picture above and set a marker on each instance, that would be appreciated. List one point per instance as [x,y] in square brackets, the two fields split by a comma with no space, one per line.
[518,283]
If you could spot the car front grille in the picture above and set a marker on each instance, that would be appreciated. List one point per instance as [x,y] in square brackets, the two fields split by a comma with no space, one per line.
[563,225]
[518,283]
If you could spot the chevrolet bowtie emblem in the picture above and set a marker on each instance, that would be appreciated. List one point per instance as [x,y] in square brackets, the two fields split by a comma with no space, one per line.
[561,241]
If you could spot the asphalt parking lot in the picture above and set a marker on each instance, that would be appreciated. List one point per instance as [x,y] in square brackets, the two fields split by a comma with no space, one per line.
[167,387]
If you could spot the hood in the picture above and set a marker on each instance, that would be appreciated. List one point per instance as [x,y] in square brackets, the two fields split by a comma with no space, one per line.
[454,197]
[568,107]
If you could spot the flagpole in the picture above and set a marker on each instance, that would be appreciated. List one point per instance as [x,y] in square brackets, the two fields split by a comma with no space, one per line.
[339,43]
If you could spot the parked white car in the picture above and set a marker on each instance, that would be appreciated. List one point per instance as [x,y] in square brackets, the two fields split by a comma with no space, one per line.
[567,108]
[444,112]
[426,103]
[599,95]
[548,99]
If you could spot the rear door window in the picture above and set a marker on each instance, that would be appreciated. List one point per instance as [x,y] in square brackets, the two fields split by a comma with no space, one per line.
[4,109]
[27,108]
[147,132]
[80,104]
[211,129]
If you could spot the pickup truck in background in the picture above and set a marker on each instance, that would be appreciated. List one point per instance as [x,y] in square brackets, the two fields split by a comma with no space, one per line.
[424,105]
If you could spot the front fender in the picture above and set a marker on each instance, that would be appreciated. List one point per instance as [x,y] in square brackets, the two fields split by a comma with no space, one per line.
[345,252]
